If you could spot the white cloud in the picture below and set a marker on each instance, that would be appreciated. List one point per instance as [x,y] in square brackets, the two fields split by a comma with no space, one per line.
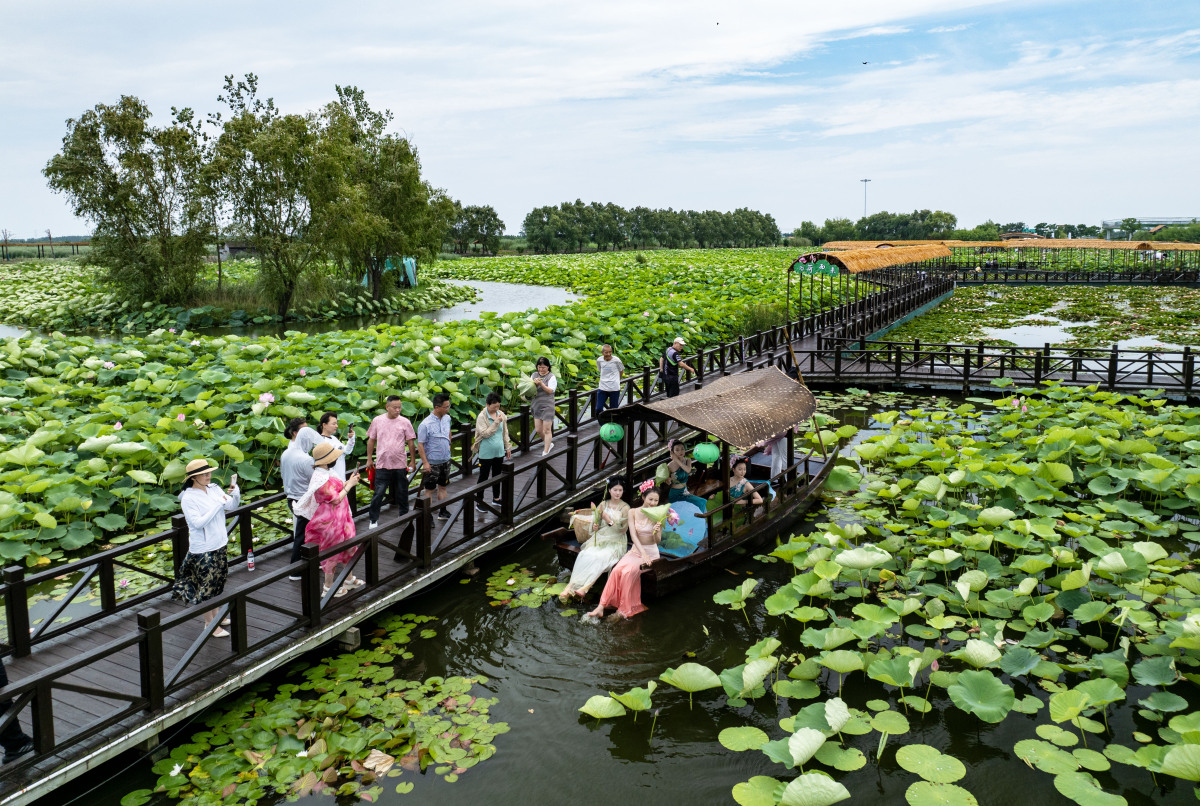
[948,29]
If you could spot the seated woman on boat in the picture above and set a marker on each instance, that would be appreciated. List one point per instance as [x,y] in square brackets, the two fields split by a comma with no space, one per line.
[680,470]
[606,545]
[623,590]
[741,489]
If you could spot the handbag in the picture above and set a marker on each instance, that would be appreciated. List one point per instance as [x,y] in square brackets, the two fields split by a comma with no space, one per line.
[371,477]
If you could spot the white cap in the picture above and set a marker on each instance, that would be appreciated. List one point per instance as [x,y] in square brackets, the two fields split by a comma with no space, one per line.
[679,340]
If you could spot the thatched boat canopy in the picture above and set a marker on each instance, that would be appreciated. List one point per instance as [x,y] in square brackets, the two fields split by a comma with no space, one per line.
[856,261]
[743,410]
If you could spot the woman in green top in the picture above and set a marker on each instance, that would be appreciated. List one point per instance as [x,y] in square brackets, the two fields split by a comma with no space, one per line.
[680,468]
[492,444]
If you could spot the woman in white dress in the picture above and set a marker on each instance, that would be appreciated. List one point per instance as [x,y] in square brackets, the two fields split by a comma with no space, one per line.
[606,546]
[327,428]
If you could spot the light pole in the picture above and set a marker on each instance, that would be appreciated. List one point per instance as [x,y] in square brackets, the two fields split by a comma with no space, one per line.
[864,181]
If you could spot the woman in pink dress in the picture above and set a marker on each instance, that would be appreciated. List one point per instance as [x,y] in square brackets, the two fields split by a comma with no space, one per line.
[330,523]
[623,590]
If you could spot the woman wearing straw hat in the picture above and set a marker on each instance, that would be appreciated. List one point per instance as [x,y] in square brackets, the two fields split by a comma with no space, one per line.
[329,520]
[202,572]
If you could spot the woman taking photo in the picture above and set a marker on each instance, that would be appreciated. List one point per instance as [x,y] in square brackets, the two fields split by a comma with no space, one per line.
[203,571]
[492,444]
[329,521]
[544,383]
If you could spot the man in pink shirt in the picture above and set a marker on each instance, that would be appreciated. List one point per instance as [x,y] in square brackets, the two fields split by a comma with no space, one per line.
[390,432]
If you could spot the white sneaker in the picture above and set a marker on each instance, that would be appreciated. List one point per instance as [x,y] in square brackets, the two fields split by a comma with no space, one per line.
[373,525]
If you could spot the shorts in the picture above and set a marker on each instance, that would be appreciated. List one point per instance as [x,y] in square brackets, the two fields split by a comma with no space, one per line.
[438,476]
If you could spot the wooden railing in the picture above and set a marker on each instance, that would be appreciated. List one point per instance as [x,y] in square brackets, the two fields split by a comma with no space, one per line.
[839,359]
[1053,276]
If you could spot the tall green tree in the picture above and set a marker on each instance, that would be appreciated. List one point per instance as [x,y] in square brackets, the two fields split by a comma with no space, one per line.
[272,166]
[374,204]
[140,187]
[1130,226]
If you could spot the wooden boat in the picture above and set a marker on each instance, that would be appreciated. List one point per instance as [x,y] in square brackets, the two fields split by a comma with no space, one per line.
[742,411]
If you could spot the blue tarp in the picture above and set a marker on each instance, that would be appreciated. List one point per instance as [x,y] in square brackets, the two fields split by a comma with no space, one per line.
[410,270]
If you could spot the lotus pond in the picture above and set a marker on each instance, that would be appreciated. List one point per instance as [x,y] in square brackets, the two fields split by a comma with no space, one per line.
[997,604]
[94,435]
[1132,317]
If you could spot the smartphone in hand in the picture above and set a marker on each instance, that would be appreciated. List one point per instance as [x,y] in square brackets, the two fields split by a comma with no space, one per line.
[233,480]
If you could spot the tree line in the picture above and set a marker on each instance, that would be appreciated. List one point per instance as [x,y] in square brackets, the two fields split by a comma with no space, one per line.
[300,188]
[921,225]
[572,226]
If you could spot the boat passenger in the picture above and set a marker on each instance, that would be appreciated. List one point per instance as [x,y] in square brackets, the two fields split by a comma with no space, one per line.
[204,569]
[605,546]
[680,470]
[623,590]
[741,489]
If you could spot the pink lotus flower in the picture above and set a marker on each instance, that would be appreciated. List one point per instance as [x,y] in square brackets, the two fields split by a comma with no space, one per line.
[123,584]
[109,365]
[437,348]
[181,417]
[264,360]
[117,426]
[345,362]
[266,398]
[170,330]
[672,517]
[1024,409]
[393,344]
[934,666]
[302,372]
[645,313]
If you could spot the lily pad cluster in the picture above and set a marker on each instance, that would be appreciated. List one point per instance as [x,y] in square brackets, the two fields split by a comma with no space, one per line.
[1093,316]
[349,728]
[1027,557]
[514,586]
[66,296]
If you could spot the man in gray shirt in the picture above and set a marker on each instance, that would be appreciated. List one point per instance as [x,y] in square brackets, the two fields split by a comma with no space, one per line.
[433,444]
[296,467]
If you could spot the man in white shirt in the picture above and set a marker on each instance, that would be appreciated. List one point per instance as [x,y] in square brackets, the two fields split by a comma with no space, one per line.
[608,391]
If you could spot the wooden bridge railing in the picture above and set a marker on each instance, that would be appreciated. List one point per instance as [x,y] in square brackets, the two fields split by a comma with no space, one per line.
[850,359]
[1055,276]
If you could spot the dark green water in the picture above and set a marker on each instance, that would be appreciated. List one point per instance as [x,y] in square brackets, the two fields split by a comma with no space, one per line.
[542,667]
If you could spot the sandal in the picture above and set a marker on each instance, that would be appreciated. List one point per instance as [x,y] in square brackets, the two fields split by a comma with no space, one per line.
[342,591]
[353,582]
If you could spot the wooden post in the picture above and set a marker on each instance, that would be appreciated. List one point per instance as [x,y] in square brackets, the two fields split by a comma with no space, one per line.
[524,422]
[237,624]
[311,584]
[1037,367]
[572,474]
[1189,372]
[43,717]
[573,411]
[700,364]
[541,474]
[371,558]
[1112,369]
[16,608]
[108,585]
[508,489]
[245,533]
[645,385]
[629,448]
[425,531]
[465,438]
[179,542]
[150,658]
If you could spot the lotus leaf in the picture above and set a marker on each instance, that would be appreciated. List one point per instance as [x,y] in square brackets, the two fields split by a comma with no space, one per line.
[744,738]
[924,793]
[758,791]
[691,677]
[929,763]
[1085,790]
[1045,756]
[813,789]
[979,653]
[892,723]
[982,694]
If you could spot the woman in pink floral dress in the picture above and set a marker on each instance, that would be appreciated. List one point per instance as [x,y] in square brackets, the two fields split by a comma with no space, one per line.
[329,521]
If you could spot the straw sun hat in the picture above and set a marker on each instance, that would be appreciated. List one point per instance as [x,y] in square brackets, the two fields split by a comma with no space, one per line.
[325,454]
[196,467]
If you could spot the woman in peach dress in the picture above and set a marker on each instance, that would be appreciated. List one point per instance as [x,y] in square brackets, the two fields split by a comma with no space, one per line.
[623,590]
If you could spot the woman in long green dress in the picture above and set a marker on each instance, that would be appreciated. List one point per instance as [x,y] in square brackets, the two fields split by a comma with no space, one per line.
[606,546]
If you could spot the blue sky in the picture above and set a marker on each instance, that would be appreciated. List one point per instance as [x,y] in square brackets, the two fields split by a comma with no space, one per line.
[1067,112]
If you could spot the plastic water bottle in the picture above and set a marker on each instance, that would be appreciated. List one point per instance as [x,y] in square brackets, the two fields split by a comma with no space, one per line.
[250,560]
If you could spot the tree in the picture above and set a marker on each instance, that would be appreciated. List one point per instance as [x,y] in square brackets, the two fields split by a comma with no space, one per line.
[271,161]
[839,229]
[139,186]
[484,227]
[1129,226]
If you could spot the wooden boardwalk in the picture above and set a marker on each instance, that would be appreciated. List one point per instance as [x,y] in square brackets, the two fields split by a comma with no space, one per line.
[124,668]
